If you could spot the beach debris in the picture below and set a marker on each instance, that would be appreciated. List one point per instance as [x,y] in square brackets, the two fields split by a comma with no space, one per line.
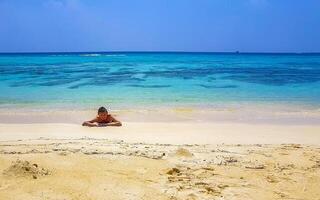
[200,183]
[21,168]
[231,160]
[258,166]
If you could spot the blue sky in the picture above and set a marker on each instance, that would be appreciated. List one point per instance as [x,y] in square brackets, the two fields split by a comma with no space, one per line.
[160,25]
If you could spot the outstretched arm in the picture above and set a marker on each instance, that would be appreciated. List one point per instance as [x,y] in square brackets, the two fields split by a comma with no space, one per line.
[114,122]
[91,123]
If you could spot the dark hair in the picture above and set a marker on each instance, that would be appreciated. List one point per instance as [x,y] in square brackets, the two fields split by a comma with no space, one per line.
[102,109]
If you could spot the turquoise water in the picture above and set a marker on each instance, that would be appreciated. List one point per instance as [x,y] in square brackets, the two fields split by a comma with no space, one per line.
[146,79]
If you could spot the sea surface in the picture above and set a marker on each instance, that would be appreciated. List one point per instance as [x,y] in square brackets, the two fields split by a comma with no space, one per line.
[148,79]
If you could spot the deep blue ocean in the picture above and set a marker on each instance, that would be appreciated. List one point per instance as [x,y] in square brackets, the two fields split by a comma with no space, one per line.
[146,79]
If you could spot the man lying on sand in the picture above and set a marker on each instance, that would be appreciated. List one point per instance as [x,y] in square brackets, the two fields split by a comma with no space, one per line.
[102,119]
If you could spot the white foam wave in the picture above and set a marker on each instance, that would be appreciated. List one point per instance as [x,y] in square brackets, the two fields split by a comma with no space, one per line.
[91,55]
[107,55]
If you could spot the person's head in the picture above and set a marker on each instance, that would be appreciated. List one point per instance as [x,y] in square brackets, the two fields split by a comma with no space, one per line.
[102,112]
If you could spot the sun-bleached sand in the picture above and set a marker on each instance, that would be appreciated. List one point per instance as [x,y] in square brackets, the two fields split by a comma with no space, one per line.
[160,161]
[174,133]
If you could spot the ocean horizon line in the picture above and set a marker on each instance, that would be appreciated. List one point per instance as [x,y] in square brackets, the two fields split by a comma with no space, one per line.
[164,52]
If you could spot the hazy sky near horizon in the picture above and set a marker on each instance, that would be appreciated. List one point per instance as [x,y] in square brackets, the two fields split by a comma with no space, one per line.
[160,25]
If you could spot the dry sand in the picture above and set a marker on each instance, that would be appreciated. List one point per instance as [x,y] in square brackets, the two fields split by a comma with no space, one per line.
[159,161]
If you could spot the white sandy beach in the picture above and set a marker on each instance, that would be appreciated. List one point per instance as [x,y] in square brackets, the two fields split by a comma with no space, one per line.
[172,133]
[160,161]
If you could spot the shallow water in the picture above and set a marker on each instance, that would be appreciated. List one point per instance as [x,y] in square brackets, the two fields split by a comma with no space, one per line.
[124,79]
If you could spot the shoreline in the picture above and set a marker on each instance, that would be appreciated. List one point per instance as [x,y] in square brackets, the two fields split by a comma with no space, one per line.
[250,114]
